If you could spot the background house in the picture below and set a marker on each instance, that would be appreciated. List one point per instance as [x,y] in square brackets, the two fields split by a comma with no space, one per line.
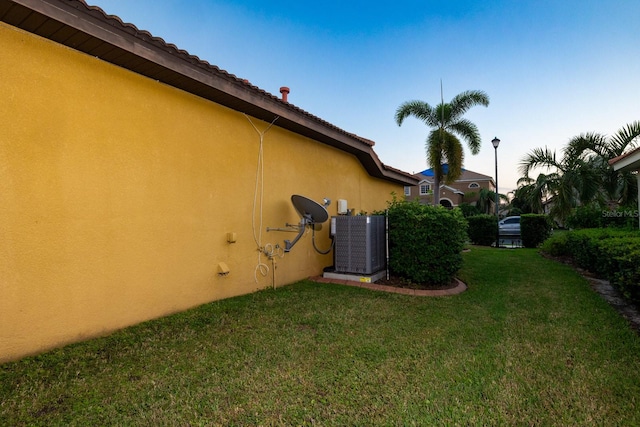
[629,161]
[464,190]
[138,180]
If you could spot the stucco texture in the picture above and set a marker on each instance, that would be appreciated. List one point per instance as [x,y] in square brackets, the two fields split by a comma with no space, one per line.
[117,194]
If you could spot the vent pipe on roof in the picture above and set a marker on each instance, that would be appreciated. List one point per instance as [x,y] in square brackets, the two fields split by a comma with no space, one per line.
[285,92]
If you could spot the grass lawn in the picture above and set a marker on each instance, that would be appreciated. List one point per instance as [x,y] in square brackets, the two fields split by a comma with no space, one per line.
[529,343]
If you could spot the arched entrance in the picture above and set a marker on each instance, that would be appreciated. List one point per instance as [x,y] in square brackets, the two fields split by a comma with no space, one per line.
[446,203]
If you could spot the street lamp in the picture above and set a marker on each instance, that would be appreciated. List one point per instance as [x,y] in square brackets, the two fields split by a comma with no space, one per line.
[495,141]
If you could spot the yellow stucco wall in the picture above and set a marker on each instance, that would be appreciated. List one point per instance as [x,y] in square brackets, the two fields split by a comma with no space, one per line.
[117,194]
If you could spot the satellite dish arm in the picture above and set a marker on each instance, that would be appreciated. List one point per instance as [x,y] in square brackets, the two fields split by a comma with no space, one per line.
[288,244]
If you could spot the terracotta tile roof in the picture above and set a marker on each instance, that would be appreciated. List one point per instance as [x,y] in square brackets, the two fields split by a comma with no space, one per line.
[467,175]
[623,156]
[174,50]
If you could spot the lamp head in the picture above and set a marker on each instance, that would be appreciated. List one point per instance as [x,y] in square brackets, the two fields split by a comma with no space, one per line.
[495,141]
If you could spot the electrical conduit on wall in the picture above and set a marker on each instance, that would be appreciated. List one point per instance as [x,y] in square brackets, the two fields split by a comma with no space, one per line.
[269,250]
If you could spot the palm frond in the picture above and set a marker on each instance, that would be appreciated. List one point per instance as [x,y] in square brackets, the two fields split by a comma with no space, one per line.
[461,103]
[625,138]
[585,179]
[564,199]
[469,132]
[538,158]
[525,180]
[454,154]
[421,110]
[434,148]
[543,188]
[442,115]
[485,198]
[585,145]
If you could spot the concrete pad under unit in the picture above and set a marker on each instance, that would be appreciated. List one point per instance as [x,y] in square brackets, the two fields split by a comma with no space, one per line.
[354,277]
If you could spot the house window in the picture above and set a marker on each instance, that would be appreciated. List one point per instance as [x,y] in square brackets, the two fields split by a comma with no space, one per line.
[407,191]
[425,189]
[474,185]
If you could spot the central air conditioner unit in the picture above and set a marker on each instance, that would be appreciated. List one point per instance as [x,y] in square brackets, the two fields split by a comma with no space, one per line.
[360,244]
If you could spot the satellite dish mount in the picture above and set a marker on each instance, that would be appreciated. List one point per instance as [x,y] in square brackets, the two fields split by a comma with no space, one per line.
[311,213]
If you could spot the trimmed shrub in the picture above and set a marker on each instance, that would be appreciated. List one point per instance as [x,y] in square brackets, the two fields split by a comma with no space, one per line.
[585,217]
[468,210]
[579,247]
[620,218]
[425,242]
[534,229]
[597,217]
[625,271]
[556,245]
[483,229]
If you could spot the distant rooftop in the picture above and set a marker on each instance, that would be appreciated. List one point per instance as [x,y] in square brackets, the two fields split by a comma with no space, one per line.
[467,175]
[445,170]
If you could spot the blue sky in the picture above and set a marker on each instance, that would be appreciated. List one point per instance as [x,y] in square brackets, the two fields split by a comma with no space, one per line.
[552,68]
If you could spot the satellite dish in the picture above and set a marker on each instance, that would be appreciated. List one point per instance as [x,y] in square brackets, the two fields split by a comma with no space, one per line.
[312,211]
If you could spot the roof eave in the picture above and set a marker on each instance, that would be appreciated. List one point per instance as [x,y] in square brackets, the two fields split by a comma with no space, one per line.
[150,56]
[627,162]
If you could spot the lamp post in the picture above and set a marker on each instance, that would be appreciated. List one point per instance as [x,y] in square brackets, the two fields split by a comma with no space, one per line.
[495,141]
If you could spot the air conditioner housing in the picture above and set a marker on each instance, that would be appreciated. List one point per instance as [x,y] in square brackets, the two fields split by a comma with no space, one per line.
[359,243]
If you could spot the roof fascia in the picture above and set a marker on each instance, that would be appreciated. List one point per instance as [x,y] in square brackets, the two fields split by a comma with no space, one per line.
[220,87]
[455,190]
[629,162]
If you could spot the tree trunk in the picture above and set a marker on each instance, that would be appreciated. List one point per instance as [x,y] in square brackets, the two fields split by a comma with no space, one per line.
[436,190]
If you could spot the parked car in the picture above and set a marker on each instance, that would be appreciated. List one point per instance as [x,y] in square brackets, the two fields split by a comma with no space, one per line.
[509,226]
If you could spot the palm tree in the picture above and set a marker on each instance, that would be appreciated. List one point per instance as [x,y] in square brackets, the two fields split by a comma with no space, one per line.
[487,199]
[618,188]
[532,194]
[583,175]
[571,181]
[443,145]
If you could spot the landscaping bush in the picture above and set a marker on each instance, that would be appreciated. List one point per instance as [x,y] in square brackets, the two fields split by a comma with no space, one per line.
[579,246]
[425,242]
[611,254]
[596,217]
[585,217]
[515,212]
[482,229]
[625,274]
[468,209]
[556,245]
[621,217]
[534,229]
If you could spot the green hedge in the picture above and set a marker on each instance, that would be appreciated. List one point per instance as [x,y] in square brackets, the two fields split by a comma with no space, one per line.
[557,245]
[483,229]
[585,217]
[596,217]
[468,210]
[611,254]
[534,229]
[425,242]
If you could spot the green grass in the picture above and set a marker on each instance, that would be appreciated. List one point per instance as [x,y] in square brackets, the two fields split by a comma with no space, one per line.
[528,343]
